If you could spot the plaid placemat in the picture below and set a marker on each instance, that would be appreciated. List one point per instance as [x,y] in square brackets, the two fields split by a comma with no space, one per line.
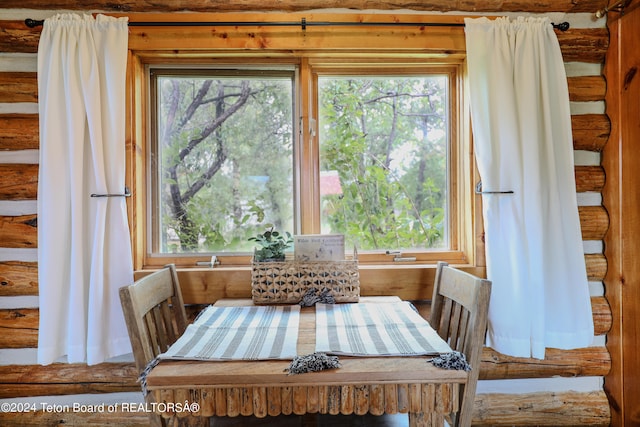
[239,333]
[375,329]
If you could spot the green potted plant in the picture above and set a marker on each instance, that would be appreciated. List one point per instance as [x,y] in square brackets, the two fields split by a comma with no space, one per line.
[272,245]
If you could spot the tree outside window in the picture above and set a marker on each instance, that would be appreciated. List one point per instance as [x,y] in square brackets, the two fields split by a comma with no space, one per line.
[225,145]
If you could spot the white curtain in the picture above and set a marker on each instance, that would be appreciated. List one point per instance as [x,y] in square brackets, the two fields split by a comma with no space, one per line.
[84,251]
[523,143]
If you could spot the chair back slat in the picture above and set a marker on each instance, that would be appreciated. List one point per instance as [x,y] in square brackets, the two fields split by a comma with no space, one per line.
[169,327]
[155,314]
[163,330]
[454,327]
[444,317]
[151,347]
[463,333]
[459,310]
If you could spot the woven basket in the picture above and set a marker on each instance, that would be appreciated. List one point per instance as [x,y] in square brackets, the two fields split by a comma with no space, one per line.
[286,282]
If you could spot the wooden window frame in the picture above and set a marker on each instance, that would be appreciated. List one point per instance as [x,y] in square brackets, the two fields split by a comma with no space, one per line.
[313,51]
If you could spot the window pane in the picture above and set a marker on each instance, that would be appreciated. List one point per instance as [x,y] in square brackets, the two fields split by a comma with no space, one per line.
[225,153]
[383,157]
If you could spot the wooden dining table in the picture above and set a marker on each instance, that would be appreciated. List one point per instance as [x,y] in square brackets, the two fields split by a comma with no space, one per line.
[184,389]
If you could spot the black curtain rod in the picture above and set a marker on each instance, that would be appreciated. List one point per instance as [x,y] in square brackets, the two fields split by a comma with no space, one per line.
[303,24]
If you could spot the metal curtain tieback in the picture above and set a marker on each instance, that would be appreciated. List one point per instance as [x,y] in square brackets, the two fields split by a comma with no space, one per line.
[479,190]
[126,193]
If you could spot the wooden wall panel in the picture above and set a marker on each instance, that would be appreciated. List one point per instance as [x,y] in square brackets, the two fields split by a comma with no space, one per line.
[52,418]
[596,266]
[19,231]
[541,6]
[590,131]
[594,222]
[17,37]
[589,178]
[18,87]
[587,88]
[19,132]
[622,199]
[586,45]
[18,181]
[19,328]
[542,409]
[18,278]
[589,361]
[64,378]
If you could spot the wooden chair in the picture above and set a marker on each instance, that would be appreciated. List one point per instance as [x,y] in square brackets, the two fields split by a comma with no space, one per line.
[155,316]
[459,310]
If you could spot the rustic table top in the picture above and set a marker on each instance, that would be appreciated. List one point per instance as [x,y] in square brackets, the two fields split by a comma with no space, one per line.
[172,374]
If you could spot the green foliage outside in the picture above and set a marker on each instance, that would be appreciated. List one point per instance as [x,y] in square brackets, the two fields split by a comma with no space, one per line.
[226,148]
[387,139]
[226,161]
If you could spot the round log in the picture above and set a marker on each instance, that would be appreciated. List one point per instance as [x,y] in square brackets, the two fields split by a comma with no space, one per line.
[19,87]
[208,402]
[590,131]
[542,409]
[376,398]
[18,182]
[589,178]
[333,399]
[584,45]
[18,278]
[220,402]
[274,401]
[313,400]
[246,401]
[347,399]
[361,400]
[590,361]
[260,402]
[300,400]
[596,266]
[233,402]
[287,400]
[390,398]
[594,222]
[19,131]
[587,88]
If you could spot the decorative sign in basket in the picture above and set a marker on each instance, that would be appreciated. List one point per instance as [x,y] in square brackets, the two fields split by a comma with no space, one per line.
[286,282]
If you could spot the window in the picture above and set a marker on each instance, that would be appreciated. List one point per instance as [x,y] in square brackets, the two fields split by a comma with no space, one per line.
[384,160]
[368,143]
[223,141]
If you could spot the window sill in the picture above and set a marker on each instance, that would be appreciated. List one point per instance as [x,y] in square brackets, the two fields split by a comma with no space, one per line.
[201,285]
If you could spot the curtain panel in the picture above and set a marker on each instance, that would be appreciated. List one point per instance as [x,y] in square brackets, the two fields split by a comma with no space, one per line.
[84,251]
[523,143]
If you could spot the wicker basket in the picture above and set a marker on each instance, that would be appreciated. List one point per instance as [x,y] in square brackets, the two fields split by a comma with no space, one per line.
[286,282]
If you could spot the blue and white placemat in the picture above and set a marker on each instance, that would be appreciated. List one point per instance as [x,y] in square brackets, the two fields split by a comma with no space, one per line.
[375,329]
[239,333]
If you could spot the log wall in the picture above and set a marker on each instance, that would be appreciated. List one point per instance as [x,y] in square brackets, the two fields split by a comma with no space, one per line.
[528,402]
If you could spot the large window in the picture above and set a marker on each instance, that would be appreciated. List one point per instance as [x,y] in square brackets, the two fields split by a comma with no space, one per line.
[359,130]
[375,157]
